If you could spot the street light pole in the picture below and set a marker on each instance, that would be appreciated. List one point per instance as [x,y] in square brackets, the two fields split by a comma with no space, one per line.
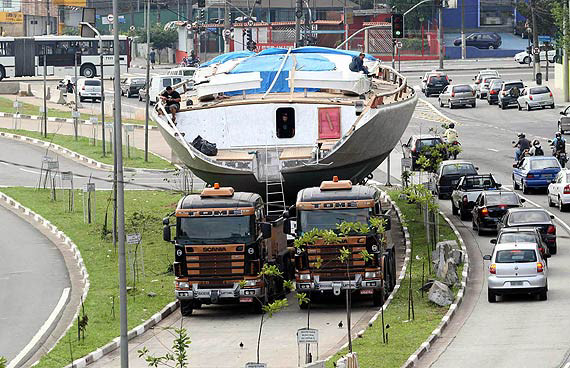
[440,35]
[463,46]
[75,109]
[147,99]
[45,94]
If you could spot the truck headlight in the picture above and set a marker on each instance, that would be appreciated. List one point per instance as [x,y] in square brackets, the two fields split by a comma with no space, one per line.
[374,248]
[183,285]
[370,275]
[305,276]
[250,282]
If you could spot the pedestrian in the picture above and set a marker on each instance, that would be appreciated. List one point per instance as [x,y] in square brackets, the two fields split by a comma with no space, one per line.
[152,57]
[172,100]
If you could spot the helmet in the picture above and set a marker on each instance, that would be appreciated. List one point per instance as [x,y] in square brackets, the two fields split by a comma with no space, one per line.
[558,134]
[522,135]
[451,126]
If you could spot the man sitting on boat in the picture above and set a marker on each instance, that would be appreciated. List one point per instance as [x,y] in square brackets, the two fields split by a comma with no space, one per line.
[172,100]
[357,64]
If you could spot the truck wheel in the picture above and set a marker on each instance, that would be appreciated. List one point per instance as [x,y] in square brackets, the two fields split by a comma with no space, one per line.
[463,215]
[186,307]
[454,209]
[256,306]
[378,297]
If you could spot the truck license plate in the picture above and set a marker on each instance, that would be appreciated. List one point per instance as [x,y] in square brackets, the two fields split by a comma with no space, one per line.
[246,300]
[366,291]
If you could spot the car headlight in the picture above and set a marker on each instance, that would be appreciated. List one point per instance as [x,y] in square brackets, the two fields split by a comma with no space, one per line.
[250,282]
[183,285]
[374,248]
[305,276]
[370,275]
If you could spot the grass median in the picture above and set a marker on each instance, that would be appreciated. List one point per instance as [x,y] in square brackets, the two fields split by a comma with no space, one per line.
[153,288]
[7,105]
[405,334]
[85,146]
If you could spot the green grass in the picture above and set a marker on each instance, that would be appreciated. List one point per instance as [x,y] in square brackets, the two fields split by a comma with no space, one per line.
[404,335]
[85,146]
[6,105]
[101,261]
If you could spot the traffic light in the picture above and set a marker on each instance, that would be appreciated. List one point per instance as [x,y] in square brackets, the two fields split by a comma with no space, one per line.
[250,44]
[201,3]
[202,14]
[397,26]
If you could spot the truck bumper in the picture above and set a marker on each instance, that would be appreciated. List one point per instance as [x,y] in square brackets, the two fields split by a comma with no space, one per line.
[336,286]
[214,296]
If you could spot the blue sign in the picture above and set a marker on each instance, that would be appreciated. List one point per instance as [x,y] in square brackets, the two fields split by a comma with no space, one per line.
[543,39]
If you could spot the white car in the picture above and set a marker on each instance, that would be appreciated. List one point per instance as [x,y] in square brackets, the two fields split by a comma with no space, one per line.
[516,268]
[531,97]
[479,78]
[525,58]
[558,191]
[484,86]
[89,88]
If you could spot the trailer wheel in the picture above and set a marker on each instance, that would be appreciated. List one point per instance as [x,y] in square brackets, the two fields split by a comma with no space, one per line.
[2,72]
[186,307]
[378,297]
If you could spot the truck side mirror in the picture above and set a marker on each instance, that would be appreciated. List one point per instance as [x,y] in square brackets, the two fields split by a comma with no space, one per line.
[166,236]
[387,220]
[266,230]
[287,226]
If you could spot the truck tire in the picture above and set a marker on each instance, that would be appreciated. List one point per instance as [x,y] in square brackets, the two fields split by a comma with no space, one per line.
[257,306]
[186,307]
[463,215]
[454,210]
[378,297]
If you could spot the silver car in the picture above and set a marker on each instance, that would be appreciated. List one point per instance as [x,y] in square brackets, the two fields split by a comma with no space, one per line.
[532,97]
[457,95]
[516,268]
[484,86]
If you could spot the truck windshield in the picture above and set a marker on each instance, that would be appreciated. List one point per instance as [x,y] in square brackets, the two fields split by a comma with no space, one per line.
[329,219]
[216,230]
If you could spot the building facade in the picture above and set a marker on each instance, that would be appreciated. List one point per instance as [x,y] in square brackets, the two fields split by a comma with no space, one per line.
[482,14]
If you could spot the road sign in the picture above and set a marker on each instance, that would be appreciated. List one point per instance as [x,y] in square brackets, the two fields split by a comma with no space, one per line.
[189,26]
[255,365]
[399,44]
[110,18]
[536,51]
[307,335]
[134,238]
[227,32]
[89,187]
[132,28]
[17,104]
[93,120]
[66,175]
[543,39]
[250,22]
[406,162]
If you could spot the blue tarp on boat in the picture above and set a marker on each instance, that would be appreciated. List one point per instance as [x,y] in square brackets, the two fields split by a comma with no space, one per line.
[314,50]
[226,57]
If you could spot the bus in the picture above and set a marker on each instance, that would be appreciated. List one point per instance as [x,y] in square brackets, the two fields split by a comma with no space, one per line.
[23,56]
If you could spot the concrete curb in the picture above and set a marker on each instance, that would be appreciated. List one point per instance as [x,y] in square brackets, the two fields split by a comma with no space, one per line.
[425,346]
[113,345]
[77,156]
[65,120]
[78,259]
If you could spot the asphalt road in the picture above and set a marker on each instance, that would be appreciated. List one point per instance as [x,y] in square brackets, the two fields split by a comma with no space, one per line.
[32,278]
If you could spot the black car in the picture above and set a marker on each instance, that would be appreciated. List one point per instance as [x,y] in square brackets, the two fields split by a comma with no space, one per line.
[468,190]
[494,89]
[435,84]
[418,144]
[491,206]
[481,40]
[522,235]
[132,86]
[509,94]
[448,174]
[532,217]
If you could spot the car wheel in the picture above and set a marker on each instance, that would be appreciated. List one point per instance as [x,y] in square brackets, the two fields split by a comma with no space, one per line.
[561,206]
[427,94]
[129,94]
[491,296]
[122,93]
[527,107]
[515,184]
[519,106]
[473,104]
[491,47]
[463,215]
[550,203]
[524,188]
[440,103]
[543,294]
[479,230]
[502,106]
[186,307]
[451,107]
[526,60]
[552,106]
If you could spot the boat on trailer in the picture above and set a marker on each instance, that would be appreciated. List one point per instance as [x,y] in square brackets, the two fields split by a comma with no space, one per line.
[338,122]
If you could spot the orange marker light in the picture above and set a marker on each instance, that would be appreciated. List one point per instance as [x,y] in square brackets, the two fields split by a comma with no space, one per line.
[216,185]
[493,269]
[335,178]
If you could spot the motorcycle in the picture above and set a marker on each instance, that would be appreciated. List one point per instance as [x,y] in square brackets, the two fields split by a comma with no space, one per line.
[454,150]
[560,156]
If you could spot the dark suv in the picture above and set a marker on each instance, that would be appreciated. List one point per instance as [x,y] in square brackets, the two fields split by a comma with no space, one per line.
[509,93]
[418,143]
[481,40]
[436,83]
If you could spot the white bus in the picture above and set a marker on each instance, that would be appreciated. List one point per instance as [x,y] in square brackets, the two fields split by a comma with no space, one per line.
[23,56]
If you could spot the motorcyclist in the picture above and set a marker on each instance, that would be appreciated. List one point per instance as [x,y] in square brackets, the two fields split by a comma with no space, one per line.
[193,59]
[451,134]
[558,144]
[536,149]
[521,146]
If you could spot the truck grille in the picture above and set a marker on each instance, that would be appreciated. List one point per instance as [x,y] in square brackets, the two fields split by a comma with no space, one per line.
[331,267]
[215,264]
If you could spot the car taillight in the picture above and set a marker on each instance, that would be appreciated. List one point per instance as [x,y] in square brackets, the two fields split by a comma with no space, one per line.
[529,176]
[493,269]
[567,189]
[447,78]
[452,94]
[465,199]
[473,93]
[492,92]
[539,267]
[550,94]
[83,88]
[484,211]
[551,229]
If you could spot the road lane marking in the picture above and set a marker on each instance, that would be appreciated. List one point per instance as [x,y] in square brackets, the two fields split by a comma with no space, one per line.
[27,351]
[492,149]
[567,365]
[30,171]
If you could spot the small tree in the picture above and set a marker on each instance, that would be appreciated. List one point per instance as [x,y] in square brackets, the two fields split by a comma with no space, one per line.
[177,357]
[3,362]
[160,38]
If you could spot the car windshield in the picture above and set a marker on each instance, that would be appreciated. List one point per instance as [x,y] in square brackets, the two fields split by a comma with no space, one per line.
[430,142]
[496,83]
[329,219]
[216,230]
[92,83]
[515,256]
[539,90]
[546,163]
[478,183]
[462,88]
[528,217]
[518,237]
[459,169]
[437,79]
[138,81]
[508,86]
[505,198]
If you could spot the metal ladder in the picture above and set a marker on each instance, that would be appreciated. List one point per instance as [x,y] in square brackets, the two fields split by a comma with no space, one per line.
[274,194]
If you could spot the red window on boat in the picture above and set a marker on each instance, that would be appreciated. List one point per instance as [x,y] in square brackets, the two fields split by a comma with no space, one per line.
[329,123]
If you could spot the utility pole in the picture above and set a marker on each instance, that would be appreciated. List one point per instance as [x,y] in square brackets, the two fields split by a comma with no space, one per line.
[565,55]
[48,23]
[45,94]
[226,27]
[463,46]
[102,96]
[536,65]
[124,341]
[147,99]
[76,107]
[440,34]
[298,15]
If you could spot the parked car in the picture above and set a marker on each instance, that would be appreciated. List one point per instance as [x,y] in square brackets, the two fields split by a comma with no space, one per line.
[525,57]
[448,174]
[418,143]
[532,97]
[481,40]
[89,88]
[468,190]
[484,86]
[564,120]
[522,235]
[490,207]
[535,172]
[434,82]
[508,94]
[532,217]
[558,191]
[494,89]
[132,86]
[516,268]
[457,95]
[157,84]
